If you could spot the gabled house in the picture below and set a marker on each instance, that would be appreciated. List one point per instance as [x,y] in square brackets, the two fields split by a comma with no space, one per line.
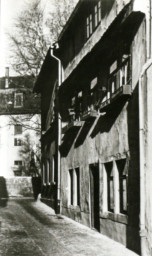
[104,94]
[19,124]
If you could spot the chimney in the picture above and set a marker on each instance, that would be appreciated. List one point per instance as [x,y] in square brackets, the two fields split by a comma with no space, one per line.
[6,77]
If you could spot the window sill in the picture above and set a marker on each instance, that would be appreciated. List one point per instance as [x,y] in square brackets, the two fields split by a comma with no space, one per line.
[72,125]
[18,106]
[53,183]
[74,207]
[117,217]
[89,114]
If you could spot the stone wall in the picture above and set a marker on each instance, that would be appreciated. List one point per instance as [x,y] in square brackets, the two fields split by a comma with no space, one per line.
[16,187]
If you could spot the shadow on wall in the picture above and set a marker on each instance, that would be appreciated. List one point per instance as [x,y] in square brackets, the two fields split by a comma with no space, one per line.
[3,192]
[36,185]
[83,133]
[133,238]
[68,141]
[105,122]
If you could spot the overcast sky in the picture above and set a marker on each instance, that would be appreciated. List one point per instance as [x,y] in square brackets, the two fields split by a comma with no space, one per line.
[9,11]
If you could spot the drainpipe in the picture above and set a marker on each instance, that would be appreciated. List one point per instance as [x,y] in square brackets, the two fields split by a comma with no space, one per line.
[142,162]
[150,46]
[58,207]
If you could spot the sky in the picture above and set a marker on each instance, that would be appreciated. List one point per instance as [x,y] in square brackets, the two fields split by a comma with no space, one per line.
[9,11]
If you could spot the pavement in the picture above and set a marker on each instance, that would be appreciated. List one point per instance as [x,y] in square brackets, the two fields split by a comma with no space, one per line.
[29,228]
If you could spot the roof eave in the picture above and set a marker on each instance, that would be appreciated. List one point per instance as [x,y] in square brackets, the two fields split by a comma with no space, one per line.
[49,61]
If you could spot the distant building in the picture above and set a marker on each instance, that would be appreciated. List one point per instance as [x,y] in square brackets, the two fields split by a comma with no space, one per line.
[19,119]
[96,163]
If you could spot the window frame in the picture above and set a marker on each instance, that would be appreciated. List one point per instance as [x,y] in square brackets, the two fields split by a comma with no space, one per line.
[97,13]
[89,25]
[110,180]
[48,171]
[17,130]
[74,187]
[71,201]
[43,173]
[77,186]
[17,142]
[16,95]
[16,163]
[116,77]
[123,175]
[120,197]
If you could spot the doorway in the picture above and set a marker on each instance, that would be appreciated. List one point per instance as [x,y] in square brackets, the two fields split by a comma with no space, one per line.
[94,196]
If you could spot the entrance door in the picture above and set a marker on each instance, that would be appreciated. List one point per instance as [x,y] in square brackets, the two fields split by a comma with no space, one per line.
[94,196]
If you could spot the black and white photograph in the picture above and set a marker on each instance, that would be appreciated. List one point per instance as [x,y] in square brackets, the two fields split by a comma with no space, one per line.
[75,127]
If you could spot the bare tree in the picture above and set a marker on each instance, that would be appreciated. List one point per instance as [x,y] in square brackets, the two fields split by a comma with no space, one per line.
[27,121]
[59,16]
[34,33]
[28,42]
[31,155]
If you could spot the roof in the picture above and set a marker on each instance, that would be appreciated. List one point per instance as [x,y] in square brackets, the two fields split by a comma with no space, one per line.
[49,65]
[16,82]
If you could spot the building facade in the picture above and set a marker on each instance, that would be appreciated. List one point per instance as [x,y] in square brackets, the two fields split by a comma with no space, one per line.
[47,85]
[19,124]
[103,120]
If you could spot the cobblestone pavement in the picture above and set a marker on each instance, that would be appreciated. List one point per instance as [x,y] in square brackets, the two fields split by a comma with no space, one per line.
[32,229]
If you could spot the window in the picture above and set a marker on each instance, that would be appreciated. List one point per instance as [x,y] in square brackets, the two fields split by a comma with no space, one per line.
[53,169]
[88,31]
[43,174]
[48,171]
[93,19]
[45,171]
[78,106]
[18,163]
[17,129]
[77,186]
[74,187]
[119,74]
[89,25]
[18,100]
[75,107]
[72,109]
[71,187]
[115,186]
[124,71]
[97,13]
[90,99]
[123,171]
[17,142]
[110,186]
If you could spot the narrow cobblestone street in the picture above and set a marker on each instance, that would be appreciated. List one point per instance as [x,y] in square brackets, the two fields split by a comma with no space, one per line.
[32,229]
